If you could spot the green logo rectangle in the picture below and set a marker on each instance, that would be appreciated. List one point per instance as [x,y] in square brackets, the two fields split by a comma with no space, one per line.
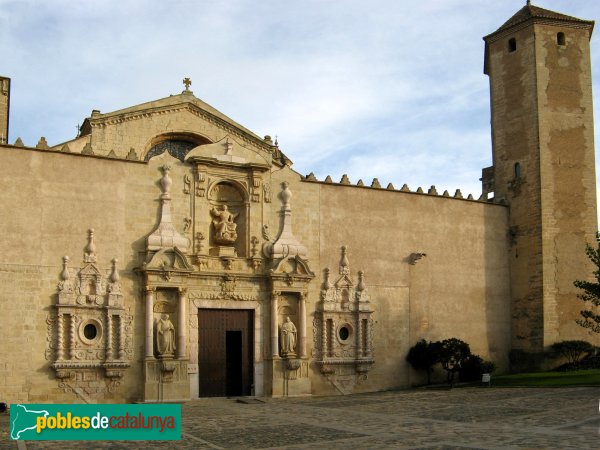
[60,422]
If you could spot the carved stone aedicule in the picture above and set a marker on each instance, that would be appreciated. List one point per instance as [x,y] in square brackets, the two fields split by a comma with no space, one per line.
[343,327]
[90,329]
[287,320]
[164,315]
[228,214]
[288,338]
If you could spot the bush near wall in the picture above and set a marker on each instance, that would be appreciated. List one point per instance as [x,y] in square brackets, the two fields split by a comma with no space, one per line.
[580,355]
[453,355]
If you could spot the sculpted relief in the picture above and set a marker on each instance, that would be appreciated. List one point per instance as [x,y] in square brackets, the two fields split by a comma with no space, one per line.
[165,337]
[288,338]
[225,226]
[227,220]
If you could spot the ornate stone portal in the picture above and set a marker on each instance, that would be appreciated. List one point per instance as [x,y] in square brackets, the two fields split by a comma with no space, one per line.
[343,329]
[223,268]
[90,332]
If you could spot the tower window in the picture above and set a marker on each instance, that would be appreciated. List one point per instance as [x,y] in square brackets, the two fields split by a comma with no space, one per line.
[512,45]
[517,170]
[560,38]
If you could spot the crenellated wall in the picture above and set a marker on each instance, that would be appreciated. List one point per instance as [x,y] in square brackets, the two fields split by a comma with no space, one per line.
[434,266]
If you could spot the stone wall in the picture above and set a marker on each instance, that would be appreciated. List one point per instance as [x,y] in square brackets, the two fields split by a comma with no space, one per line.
[50,200]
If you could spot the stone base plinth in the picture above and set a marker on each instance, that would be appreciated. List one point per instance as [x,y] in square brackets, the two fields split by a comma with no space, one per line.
[166,380]
[223,250]
[290,377]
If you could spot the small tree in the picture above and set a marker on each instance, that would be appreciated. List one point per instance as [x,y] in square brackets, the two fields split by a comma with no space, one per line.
[452,353]
[591,293]
[423,356]
[572,350]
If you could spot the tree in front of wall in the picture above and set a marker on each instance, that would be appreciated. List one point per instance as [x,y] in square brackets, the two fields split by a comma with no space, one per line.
[452,353]
[423,356]
[591,294]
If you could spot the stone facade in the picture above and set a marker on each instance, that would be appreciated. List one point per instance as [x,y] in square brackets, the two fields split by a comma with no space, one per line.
[212,268]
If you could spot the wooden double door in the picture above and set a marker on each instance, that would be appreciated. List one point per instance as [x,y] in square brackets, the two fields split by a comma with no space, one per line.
[225,352]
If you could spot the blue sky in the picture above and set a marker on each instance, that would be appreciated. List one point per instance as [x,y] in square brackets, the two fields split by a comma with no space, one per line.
[387,89]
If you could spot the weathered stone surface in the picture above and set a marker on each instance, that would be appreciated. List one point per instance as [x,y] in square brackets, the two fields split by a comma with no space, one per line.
[221,231]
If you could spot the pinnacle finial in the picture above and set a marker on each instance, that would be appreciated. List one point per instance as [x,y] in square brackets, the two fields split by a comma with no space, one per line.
[114,274]
[89,255]
[344,263]
[64,275]
[187,83]
[528,3]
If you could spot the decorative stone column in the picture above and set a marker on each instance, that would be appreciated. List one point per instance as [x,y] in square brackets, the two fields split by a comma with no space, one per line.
[109,335]
[60,338]
[181,350]
[274,325]
[302,325]
[72,336]
[149,350]
[121,336]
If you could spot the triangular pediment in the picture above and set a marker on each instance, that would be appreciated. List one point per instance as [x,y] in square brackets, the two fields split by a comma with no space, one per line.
[174,103]
[182,119]
[344,281]
[90,269]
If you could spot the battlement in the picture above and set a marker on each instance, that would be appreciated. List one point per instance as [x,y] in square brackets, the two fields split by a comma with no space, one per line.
[375,184]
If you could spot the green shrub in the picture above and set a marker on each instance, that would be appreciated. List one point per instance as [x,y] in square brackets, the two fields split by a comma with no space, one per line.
[423,356]
[488,367]
[453,352]
[473,367]
[572,350]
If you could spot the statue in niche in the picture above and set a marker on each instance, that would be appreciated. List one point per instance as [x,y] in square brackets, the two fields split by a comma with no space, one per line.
[225,227]
[165,336]
[288,337]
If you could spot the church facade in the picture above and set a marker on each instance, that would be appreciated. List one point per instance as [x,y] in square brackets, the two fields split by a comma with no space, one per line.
[169,253]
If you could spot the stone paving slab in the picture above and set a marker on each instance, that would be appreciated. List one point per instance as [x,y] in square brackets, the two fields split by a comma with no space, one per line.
[458,419]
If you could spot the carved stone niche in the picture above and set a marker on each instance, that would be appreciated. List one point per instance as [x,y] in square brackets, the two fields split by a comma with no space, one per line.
[343,328]
[228,202]
[90,330]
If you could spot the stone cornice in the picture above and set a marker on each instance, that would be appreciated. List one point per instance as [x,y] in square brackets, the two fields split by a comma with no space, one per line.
[109,119]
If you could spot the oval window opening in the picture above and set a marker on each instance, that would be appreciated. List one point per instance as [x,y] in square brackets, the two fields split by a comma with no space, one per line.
[344,333]
[90,332]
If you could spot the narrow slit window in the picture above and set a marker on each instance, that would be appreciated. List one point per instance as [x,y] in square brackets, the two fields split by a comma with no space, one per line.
[517,170]
[560,38]
[512,45]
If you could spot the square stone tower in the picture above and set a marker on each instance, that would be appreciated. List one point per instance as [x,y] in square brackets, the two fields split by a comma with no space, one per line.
[539,68]
[4,108]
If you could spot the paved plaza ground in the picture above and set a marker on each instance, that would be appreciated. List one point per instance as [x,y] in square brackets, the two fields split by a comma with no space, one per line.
[464,418]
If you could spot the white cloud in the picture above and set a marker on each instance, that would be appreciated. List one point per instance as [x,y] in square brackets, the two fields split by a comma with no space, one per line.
[389,88]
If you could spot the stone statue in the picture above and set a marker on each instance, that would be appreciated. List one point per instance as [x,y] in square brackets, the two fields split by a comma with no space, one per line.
[288,337]
[165,336]
[225,227]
